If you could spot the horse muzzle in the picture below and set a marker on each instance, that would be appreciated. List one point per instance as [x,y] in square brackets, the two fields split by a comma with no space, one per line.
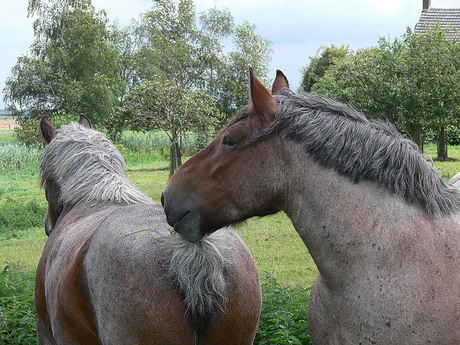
[183,216]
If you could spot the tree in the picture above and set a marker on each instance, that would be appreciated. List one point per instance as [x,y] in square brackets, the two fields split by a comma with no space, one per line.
[413,82]
[215,26]
[193,58]
[71,67]
[160,104]
[170,42]
[251,50]
[325,57]
[434,65]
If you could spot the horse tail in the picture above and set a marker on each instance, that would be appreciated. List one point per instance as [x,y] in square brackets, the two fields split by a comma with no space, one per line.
[200,271]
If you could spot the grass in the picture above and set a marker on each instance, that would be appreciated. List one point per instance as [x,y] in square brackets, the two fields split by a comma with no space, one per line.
[447,168]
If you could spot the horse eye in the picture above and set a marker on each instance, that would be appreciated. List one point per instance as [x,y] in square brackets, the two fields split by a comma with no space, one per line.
[228,142]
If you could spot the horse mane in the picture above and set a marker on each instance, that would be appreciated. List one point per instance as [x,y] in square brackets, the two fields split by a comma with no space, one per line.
[88,168]
[341,138]
[200,271]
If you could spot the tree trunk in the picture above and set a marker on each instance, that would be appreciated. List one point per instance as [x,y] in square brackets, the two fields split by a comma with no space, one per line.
[416,133]
[186,150]
[442,144]
[175,157]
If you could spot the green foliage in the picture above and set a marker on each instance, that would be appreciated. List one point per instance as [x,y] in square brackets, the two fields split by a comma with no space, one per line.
[29,132]
[79,65]
[284,314]
[412,82]
[162,104]
[453,135]
[17,309]
[251,50]
[71,66]
[324,59]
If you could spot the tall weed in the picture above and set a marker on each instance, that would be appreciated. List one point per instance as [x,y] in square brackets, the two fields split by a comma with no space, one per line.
[284,314]
[17,309]
[18,155]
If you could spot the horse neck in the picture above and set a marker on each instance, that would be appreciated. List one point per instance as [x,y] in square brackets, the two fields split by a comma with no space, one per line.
[343,223]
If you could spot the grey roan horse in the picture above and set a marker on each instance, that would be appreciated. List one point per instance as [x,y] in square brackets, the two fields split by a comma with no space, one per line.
[112,273]
[380,223]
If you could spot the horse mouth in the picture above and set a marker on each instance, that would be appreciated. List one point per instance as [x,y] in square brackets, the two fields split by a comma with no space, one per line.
[176,224]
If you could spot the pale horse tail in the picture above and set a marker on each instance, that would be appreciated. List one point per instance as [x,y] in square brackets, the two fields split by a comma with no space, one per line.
[199,270]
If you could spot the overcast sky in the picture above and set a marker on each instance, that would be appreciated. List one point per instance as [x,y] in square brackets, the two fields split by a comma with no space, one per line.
[296,28]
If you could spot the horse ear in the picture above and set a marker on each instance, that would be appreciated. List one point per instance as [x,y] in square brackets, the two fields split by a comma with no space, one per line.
[84,121]
[262,101]
[47,128]
[280,82]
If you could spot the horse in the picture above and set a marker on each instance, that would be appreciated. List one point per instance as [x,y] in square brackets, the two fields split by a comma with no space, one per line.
[381,225]
[113,272]
[455,181]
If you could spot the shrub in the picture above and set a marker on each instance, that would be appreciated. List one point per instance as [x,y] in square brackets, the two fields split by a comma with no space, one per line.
[284,314]
[17,307]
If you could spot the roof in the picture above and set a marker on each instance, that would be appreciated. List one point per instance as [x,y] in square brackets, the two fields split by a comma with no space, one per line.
[448,18]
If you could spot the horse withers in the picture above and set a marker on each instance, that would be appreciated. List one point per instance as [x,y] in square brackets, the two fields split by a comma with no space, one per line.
[380,223]
[112,272]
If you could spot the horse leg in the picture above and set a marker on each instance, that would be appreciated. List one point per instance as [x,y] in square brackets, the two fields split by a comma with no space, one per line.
[44,333]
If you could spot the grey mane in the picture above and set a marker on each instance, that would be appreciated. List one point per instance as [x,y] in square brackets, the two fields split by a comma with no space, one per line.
[341,138]
[88,168]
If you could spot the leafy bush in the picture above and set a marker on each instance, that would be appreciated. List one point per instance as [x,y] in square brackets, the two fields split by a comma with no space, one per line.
[17,307]
[284,314]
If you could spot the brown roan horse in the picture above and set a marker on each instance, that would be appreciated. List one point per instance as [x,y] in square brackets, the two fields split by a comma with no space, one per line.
[380,223]
[112,272]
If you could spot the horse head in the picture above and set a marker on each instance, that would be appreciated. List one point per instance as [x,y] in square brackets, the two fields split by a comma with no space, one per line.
[216,187]
[52,188]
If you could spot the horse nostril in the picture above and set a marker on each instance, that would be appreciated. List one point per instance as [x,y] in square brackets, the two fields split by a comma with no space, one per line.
[162,199]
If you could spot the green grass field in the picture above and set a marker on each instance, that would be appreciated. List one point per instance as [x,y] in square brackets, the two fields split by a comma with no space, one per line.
[274,243]
[286,269]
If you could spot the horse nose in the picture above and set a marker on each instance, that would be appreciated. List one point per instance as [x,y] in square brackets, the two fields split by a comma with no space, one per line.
[163,199]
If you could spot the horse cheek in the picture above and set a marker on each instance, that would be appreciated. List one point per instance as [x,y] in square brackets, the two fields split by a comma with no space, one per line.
[48,222]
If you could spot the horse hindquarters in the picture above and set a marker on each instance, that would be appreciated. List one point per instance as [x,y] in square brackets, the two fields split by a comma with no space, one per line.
[237,325]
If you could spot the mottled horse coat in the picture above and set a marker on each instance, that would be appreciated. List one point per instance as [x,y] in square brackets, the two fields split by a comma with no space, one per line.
[112,272]
[380,223]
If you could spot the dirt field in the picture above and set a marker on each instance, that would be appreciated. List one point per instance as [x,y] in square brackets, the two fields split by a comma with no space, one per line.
[7,123]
